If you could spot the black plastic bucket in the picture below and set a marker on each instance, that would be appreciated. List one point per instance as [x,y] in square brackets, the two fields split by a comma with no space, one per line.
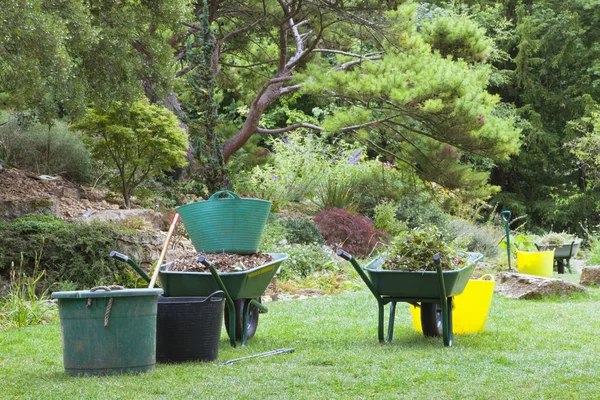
[189,328]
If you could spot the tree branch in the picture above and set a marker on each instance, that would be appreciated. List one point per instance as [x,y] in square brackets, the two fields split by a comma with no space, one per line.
[352,63]
[289,128]
[370,123]
[289,89]
[265,87]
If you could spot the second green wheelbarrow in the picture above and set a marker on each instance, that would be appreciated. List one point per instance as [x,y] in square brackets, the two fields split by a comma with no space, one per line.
[431,290]
[243,290]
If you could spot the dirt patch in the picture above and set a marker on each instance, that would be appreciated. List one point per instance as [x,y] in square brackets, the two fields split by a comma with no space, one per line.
[73,199]
[223,262]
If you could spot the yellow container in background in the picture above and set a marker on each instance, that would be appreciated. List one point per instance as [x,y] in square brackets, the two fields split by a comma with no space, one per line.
[540,263]
[470,308]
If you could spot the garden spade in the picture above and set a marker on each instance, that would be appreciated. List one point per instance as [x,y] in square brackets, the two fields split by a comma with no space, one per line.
[506,218]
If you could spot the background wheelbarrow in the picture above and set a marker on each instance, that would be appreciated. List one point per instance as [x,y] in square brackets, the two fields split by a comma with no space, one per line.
[242,289]
[562,253]
[432,291]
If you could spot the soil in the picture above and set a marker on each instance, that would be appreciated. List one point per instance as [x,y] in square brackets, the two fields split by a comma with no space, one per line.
[223,262]
[74,200]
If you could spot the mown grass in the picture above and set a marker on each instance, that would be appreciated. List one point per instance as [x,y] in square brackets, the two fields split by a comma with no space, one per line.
[543,349]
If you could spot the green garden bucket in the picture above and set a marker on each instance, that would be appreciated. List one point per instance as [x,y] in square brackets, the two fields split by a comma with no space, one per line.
[225,224]
[108,332]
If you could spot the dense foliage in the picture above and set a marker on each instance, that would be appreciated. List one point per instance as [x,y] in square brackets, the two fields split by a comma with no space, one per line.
[449,90]
[73,254]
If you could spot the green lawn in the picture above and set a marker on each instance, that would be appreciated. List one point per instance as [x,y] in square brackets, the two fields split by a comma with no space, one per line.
[530,350]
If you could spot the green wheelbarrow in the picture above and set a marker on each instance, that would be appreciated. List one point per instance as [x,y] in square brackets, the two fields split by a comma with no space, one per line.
[242,290]
[431,290]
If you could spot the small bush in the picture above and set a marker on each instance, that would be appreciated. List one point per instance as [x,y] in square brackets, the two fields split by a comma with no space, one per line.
[385,218]
[305,260]
[273,237]
[482,239]
[419,210]
[350,232]
[378,182]
[302,231]
[594,252]
[51,151]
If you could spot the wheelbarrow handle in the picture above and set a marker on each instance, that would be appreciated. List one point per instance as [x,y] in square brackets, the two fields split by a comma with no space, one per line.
[132,263]
[345,255]
[202,260]
[228,299]
[119,256]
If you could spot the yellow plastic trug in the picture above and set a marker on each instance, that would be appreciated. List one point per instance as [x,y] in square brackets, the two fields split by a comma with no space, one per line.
[538,263]
[470,308]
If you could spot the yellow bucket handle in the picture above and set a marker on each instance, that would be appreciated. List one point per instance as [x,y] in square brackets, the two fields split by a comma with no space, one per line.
[483,278]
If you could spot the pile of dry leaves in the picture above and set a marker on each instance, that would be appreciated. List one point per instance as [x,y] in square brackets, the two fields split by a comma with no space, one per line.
[223,262]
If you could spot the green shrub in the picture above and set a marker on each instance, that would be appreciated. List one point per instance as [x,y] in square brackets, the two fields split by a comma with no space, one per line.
[385,218]
[593,254]
[305,260]
[379,181]
[478,238]
[76,251]
[302,231]
[50,151]
[273,236]
[420,210]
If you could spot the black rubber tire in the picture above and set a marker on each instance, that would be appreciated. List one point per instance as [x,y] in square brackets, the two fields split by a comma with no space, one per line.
[239,318]
[431,320]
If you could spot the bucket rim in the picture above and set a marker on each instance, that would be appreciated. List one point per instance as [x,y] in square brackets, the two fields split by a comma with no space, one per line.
[86,294]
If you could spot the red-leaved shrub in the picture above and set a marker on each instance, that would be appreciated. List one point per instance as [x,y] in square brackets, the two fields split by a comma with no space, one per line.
[350,232]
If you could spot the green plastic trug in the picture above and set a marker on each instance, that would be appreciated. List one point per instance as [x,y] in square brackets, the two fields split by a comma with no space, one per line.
[227,225]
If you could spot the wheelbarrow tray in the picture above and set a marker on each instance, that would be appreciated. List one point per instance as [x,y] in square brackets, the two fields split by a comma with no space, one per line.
[420,285]
[562,251]
[248,284]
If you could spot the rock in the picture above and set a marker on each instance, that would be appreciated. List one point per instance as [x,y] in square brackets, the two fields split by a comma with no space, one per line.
[590,276]
[521,286]
[145,249]
[11,209]
[136,218]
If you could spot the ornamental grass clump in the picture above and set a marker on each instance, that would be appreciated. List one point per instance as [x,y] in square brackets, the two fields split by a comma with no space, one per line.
[414,250]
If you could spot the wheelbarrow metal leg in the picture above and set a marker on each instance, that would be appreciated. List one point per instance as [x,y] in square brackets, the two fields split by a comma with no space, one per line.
[445,303]
[380,325]
[390,333]
[245,311]
[560,266]
[447,322]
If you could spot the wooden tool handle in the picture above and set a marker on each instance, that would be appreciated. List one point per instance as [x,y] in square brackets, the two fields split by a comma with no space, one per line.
[164,250]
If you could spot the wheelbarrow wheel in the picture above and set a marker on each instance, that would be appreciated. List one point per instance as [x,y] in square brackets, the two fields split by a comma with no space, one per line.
[239,318]
[431,319]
